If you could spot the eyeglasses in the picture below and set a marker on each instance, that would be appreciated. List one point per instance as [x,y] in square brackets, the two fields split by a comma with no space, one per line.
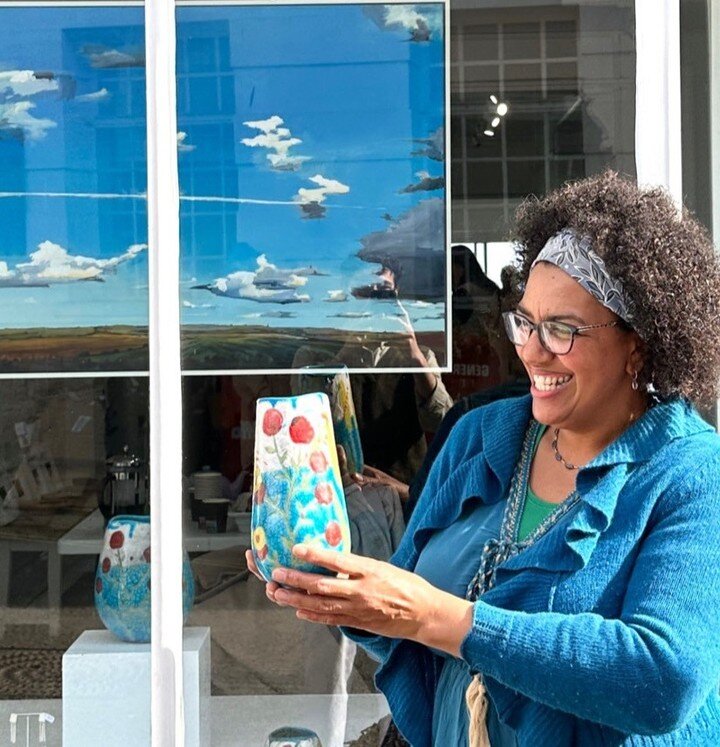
[556,337]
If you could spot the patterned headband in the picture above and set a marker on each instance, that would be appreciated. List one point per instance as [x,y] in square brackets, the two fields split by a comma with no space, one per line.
[574,255]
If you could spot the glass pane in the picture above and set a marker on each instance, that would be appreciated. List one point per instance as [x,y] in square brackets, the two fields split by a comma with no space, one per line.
[531,107]
[525,134]
[563,86]
[484,178]
[521,41]
[698,54]
[316,187]
[73,302]
[312,220]
[525,177]
[561,38]
[72,186]
[553,102]
[478,42]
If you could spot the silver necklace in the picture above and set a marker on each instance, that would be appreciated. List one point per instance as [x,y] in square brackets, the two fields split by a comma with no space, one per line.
[558,456]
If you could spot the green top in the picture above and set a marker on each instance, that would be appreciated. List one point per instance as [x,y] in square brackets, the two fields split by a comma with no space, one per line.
[535,509]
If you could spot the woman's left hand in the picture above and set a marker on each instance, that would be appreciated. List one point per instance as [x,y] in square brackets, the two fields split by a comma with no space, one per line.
[373,596]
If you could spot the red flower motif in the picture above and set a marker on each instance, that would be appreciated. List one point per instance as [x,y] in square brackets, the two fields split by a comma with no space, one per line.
[301,432]
[333,534]
[318,461]
[272,422]
[260,493]
[324,493]
[117,540]
[98,585]
[262,552]
[106,565]
[146,554]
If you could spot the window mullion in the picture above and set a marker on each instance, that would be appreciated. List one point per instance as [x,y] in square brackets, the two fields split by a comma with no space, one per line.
[165,375]
[658,135]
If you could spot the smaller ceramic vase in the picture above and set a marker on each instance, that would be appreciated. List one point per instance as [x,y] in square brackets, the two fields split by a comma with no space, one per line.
[345,425]
[297,487]
[122,580]
[345,422]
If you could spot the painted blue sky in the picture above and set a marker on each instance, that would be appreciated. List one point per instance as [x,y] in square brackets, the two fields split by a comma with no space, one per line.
[309,132]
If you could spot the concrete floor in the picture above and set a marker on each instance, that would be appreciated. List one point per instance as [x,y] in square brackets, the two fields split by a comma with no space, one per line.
[238,721]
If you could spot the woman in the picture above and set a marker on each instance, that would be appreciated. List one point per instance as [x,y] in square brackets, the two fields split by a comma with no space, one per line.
[562,566]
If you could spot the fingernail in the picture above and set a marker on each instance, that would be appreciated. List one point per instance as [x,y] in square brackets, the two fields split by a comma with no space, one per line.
[279,575]
[300,551]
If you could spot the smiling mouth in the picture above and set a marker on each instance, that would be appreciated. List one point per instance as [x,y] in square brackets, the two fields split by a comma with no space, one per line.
[549,383]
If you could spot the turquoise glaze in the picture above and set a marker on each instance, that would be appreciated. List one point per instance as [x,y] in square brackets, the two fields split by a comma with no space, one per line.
[122,580]
[297,487]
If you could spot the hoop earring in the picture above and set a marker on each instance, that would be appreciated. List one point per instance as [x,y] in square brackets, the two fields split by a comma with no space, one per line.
[635,384]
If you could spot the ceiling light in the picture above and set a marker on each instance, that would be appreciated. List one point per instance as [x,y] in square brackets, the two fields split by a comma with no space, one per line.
[496,122]
[489,133]
[493,98]
[502,109]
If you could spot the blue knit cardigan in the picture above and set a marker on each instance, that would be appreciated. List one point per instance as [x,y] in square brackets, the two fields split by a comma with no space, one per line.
[606,631]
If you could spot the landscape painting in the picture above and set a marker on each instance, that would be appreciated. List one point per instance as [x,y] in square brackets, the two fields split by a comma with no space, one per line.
[313,176]
[313,186]
[73,255]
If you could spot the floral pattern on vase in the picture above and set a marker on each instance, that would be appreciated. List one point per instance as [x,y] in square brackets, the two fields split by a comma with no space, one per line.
[297,489]
[122,580]
[345,422]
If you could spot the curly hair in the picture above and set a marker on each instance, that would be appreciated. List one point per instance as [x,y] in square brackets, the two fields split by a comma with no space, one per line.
[666,262]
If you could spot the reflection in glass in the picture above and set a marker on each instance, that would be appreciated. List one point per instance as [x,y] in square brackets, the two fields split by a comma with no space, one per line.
[292,736]
[55,438]
[312,172]
[566,75]
[73,265]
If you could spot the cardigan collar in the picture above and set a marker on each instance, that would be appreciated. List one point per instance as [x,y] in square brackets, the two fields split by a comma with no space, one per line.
[599,484]
[659,425]
[487,475]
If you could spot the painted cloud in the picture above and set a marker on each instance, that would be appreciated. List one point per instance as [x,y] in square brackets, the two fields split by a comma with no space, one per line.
[267,284]
[17,122]
[102,57]
[310,200]
[17,88]
[422,22]
[51,264]
[100,95]
[276,139]
[434,145]
[413,249]
[23,83]
[182,146]
[427,183]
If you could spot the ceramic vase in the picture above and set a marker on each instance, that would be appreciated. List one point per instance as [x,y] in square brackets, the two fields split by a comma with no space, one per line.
[297,488]
[345,425]
[122,580]
[345,421]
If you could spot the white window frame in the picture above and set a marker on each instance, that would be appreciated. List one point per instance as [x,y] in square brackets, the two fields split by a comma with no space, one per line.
[658,159]
[163,201]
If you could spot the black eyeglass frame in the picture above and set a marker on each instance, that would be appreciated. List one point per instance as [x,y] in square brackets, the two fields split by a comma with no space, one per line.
[539,326]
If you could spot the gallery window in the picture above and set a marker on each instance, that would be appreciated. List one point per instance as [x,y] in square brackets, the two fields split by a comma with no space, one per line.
[320,189]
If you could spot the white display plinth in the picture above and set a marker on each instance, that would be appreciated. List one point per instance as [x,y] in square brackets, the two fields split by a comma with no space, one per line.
[106,690]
